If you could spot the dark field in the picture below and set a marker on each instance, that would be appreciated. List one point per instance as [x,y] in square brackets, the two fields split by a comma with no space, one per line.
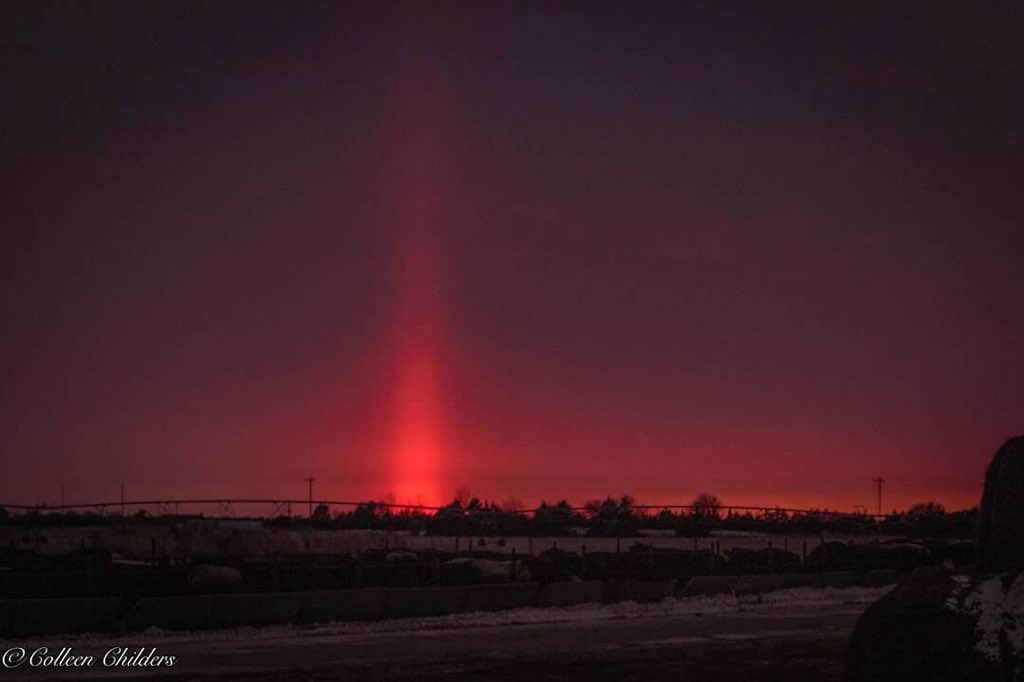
[805,643]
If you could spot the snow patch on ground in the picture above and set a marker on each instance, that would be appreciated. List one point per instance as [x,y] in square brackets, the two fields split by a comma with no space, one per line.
[999,612]
[1014,604]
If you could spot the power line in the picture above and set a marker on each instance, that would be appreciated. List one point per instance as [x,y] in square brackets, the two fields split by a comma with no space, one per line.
[385,505]
[309,479]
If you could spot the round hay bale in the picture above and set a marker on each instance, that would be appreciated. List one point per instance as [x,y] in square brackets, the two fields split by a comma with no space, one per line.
[913,633]
[206,578]
[1001,517]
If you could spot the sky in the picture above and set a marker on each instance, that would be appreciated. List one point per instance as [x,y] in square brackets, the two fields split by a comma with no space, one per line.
[544,250]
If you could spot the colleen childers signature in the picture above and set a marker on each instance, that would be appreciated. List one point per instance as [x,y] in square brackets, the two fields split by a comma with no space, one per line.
[67,657]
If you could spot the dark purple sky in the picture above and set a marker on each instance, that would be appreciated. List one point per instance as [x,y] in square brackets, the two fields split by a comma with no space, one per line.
[538,249]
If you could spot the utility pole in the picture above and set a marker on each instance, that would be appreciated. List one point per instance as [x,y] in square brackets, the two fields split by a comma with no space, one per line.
[879,481]
[122,499]
[309,479]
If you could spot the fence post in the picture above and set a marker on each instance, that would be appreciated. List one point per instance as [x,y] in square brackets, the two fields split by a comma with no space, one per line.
[804,552]
[512,569]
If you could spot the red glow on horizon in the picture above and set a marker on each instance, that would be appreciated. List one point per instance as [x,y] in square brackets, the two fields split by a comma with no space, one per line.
[417,409]
[419,194]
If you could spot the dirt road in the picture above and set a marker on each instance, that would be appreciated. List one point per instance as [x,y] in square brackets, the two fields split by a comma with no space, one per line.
[794,643]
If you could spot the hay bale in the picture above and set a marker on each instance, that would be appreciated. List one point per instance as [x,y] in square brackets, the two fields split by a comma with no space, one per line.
[490,571]
[937,627]
[676,563]
[840,556]
[643,591]
[555,565]
[831,556]
[768,582]
[1001,517]
[205,578]
[910,634]
[325,606]
[500,597]
[943,629]
[708,584]
[767,560]
[402,557]
[571,593]
[421,602]
[830,579]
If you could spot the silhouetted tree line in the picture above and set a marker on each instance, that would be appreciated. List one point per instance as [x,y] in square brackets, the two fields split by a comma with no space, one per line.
[610,517]
[621,517]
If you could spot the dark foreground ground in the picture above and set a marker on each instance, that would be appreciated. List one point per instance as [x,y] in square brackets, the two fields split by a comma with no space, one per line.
[797,644]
